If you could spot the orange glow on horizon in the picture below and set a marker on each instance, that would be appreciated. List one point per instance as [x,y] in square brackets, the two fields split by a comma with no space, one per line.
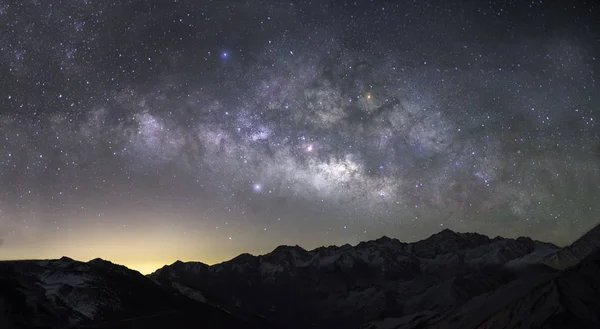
[138,249]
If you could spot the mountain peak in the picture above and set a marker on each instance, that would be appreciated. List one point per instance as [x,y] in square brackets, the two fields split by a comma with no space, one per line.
[443,235]
[449,233]
[66,259]
[447,241]
[385,239]
[243,258]
[285,248]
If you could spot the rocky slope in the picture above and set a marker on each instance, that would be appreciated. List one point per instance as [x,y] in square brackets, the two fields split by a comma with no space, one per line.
[448,281]
[67,293]
[575,252]
[569,300]
[344,286]
[541,299]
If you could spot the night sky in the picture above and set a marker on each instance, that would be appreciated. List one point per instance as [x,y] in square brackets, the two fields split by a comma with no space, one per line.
[149,131]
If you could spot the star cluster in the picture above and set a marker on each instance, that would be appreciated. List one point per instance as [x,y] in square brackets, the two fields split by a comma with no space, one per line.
[145,132]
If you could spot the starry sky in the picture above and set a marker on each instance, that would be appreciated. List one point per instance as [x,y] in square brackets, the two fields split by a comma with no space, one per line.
[149,131]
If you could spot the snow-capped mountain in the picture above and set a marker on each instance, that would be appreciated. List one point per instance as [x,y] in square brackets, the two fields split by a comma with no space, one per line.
[349,285]
[97,294]
[447,281]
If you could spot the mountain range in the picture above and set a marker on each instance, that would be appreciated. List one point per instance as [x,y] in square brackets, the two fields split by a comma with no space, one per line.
[449,280]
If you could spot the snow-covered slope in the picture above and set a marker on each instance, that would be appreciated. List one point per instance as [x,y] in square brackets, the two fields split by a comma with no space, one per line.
[65,292]
[449,280]
[348,285]
[541,299]
[575,252]
[565,295]
[571,300]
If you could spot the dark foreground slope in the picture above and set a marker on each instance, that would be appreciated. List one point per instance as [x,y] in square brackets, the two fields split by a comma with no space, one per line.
[539,297]
[67,293]
[542,299]
[571,300]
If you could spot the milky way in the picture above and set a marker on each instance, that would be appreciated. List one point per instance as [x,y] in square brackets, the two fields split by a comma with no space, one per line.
[145,132]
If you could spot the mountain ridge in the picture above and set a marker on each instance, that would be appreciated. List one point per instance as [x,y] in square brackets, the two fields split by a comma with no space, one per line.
[69,293]
[382,240]
[447,280]
[390,275]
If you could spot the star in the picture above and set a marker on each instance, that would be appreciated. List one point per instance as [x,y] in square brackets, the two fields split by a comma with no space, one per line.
[234,119]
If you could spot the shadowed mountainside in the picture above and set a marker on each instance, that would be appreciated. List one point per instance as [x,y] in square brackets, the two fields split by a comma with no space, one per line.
[449,280]
[67,293]
[348,285]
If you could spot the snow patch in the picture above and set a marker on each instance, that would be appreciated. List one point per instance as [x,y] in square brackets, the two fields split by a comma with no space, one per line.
[56,278]
[268,268]
[531,258]
[189,292]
